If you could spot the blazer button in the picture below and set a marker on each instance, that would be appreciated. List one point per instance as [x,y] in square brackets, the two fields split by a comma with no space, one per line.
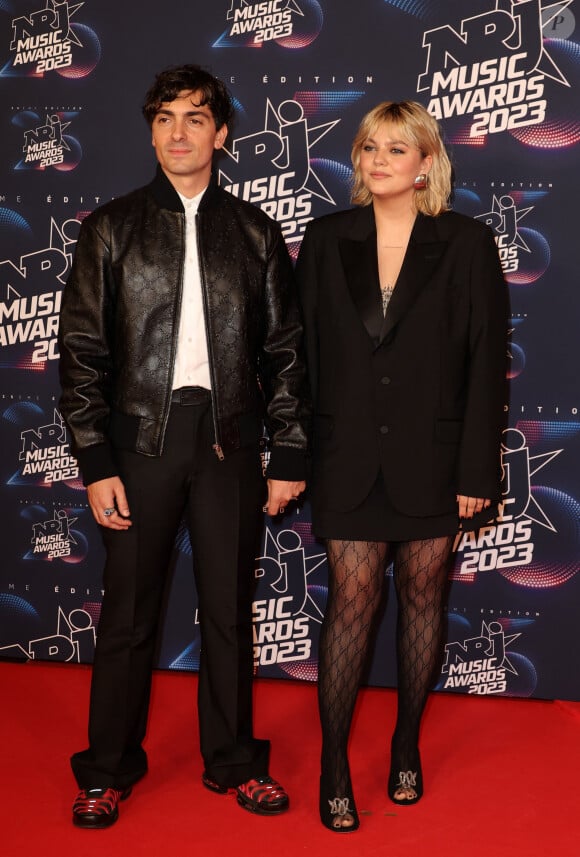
[385,380]
[384,429]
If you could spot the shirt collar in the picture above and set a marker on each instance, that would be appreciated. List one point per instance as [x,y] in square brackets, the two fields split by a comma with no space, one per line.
[191,205]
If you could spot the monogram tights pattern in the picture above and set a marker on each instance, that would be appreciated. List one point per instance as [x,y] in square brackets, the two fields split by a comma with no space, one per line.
[356,575]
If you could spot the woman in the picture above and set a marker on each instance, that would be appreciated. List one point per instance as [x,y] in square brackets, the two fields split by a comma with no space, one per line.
[405,313]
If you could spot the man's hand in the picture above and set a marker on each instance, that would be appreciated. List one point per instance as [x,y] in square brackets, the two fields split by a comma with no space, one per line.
[108,503]
[280,493]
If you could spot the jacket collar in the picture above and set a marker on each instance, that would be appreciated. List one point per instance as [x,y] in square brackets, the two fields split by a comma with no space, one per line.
[167,197]
[359,259]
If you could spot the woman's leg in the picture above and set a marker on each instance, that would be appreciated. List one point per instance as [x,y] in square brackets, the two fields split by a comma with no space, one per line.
[356,572]
[420,575]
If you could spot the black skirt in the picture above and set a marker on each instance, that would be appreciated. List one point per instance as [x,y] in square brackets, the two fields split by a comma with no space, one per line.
[376,520]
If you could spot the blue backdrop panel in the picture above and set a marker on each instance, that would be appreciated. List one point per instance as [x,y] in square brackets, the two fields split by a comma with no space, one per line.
[502,77]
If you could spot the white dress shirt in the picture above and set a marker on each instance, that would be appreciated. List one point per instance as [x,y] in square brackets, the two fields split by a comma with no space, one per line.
[191,359]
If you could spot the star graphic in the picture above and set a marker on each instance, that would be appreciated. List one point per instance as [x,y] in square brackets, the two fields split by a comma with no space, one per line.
[507,640]
[311,564]
[533,510]
[63,127]
[497,212]
[546,64]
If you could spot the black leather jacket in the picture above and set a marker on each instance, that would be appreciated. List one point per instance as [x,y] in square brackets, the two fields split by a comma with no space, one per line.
[119,324]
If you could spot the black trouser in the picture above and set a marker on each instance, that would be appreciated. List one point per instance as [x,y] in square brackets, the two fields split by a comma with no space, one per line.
[222,502]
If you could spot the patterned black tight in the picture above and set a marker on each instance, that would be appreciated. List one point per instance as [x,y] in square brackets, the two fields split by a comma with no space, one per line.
[356,574]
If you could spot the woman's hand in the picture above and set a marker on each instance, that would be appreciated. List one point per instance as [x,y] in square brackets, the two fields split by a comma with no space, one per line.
[470,506]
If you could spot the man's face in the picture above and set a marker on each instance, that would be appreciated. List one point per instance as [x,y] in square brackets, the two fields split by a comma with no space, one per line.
[184,137]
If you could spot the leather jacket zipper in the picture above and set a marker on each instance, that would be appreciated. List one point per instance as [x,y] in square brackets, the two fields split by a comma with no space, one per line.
[178,311]
[217,447]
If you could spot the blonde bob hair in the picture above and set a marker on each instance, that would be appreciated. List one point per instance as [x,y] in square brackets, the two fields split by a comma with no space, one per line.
[418,128]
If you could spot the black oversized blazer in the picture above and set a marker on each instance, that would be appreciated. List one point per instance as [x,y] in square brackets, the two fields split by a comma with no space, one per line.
[419,393]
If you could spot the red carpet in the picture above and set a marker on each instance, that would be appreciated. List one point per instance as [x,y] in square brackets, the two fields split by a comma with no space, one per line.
[500,776]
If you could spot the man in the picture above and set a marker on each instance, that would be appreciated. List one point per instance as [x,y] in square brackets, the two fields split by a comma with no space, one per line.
[179,336]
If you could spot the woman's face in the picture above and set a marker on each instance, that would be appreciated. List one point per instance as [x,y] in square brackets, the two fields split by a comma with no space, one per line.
[389,165]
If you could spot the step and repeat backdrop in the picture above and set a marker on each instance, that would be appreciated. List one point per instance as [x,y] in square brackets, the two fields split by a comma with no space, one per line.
[503,79]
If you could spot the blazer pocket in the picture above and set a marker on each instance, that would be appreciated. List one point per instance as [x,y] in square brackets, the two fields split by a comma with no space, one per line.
[448,431]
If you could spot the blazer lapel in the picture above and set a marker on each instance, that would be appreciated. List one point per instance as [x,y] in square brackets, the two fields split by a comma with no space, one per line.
[421,259]
[359,261]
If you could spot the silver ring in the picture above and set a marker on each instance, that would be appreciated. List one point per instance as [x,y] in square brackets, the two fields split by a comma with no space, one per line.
[282,509]
[108,512]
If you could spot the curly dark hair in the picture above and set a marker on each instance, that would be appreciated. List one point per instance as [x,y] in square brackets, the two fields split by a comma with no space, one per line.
[189,78]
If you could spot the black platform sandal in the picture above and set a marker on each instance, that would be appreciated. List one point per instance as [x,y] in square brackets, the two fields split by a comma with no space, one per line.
[337,813]
[406,787]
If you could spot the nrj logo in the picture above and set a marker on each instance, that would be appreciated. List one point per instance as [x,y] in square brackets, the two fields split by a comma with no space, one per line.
[504,219]
[47,39]
[53,538]
[284,609]
[46,145]
[480,664]
[45,454]
[272,167]
[289,23]
[74,640]
[523,248]
[509,543]
[31,293]
[492,66]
